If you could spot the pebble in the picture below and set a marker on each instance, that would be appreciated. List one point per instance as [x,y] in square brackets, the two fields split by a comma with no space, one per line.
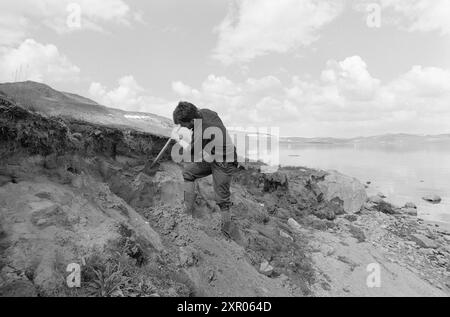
[41,222]
[266,269]
[423,241]
[285,235]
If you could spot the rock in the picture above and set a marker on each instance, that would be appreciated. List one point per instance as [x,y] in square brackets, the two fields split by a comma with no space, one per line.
[77,182]
[351,218]
[211,275]
[369,206]
[357,233]
[375,200]
[77,136]
[285,235]
[266,269]
[435,199]
[423,241]
[381,195]
[410,206]
[327,212]
[409,211]
[41,222]
[346,188]
[294,225]
[43,209]
[44,195]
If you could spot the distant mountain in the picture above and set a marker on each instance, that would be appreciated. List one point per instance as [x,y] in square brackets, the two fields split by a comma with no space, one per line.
[50,102]
[313,140]
[402,138]
[387,139]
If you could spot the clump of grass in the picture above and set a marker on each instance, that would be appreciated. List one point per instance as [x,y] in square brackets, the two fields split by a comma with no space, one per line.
[385,208]
[107,281]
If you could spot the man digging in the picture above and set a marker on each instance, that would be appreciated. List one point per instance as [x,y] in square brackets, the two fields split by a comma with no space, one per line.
[211,151]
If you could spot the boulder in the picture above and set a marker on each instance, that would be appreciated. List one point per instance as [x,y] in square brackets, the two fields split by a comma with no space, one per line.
[423,242]
[381,195]
[346,188]
[410,206]
[409,211]
[435,199]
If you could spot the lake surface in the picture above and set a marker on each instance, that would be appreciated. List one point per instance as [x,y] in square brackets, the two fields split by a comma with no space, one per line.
[404,173]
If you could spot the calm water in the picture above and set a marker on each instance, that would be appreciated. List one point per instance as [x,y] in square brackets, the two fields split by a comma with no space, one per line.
[402,173]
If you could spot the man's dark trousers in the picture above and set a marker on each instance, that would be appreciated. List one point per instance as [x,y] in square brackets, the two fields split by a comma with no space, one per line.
[222,174]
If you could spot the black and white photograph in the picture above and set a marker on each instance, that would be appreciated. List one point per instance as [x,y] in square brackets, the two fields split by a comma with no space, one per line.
[222,155]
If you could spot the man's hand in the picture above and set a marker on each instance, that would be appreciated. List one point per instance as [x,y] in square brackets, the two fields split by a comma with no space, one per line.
[178,137]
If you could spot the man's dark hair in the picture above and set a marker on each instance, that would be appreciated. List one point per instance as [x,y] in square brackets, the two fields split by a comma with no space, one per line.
[185,112]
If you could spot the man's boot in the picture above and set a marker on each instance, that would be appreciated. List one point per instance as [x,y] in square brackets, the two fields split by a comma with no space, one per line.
[227,223]
[189,197]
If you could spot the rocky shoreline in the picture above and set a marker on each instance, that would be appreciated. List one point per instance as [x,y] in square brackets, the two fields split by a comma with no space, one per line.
[413,254]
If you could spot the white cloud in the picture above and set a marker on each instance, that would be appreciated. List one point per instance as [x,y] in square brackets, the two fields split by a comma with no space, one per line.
[346,101]
[351,77]
[413,15]
[256,28]
[130,96]
[254,101]
[38,62]
[19,17]
[423,82]
[421,15]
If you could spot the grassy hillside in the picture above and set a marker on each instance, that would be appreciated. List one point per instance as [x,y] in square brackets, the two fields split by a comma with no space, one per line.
[50,102]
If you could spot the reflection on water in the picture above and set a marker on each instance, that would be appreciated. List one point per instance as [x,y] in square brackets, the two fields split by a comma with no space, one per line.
[403,172]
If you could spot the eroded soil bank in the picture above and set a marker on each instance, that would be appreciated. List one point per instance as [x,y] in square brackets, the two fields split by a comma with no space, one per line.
[72,192]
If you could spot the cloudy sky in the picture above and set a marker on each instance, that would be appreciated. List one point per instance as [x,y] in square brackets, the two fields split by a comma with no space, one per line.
[338,68]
